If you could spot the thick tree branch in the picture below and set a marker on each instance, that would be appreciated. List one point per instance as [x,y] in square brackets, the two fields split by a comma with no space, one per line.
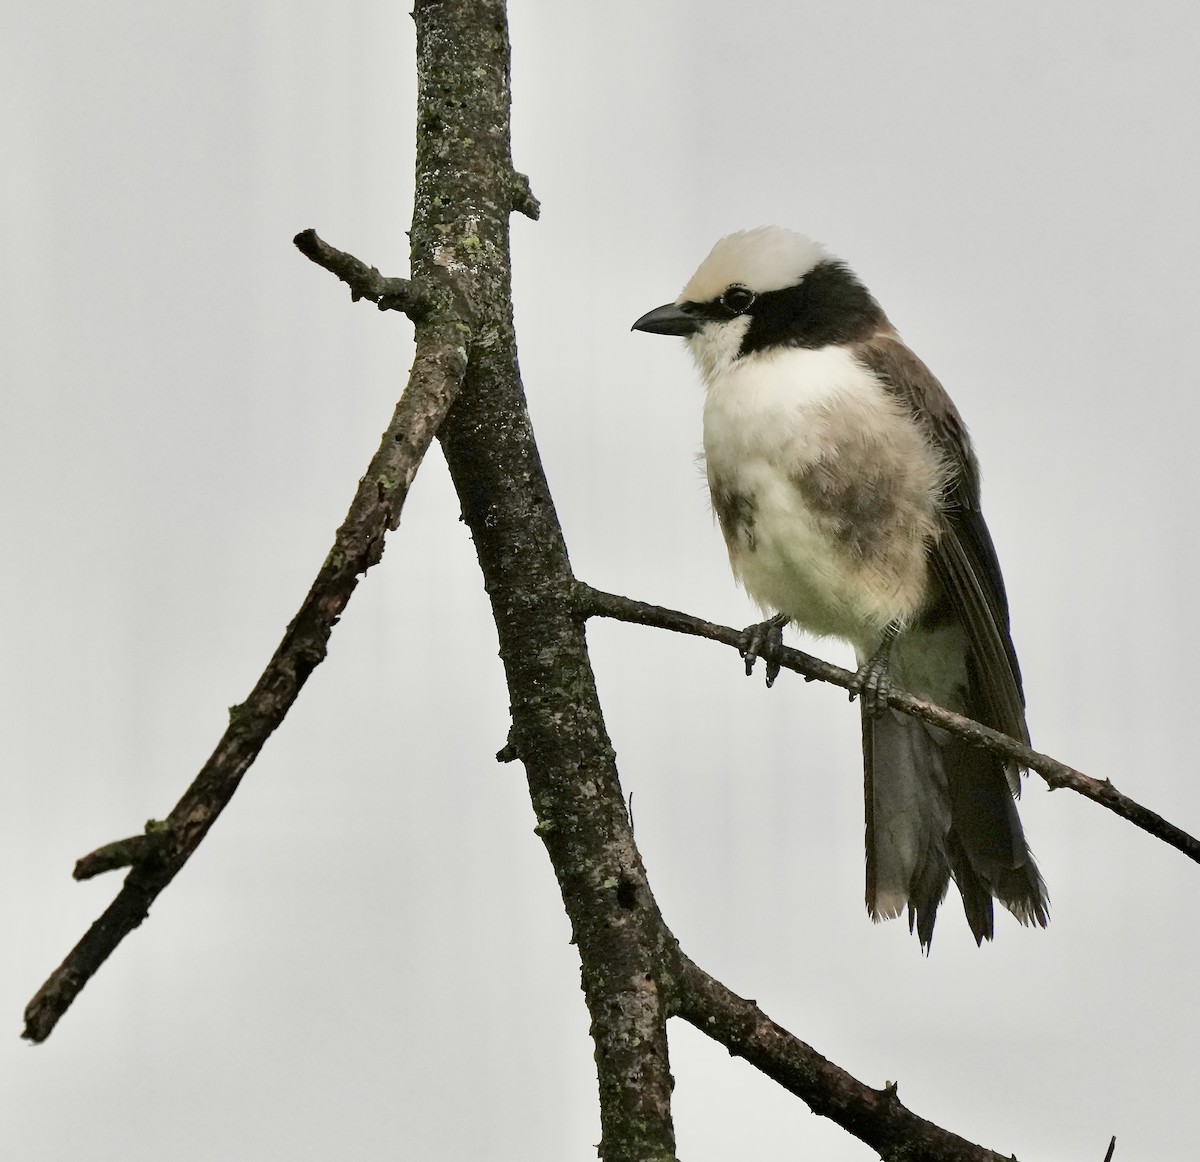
[874,1116]
[465,193]
[596,603]
[156,858]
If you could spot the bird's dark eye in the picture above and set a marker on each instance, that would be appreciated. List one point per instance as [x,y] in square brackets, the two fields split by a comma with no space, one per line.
[737,299]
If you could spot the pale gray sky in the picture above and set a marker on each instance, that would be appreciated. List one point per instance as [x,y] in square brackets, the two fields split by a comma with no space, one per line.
[368,958]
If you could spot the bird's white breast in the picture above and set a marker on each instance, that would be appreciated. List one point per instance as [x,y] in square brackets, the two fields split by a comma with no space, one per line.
[770,419]
[760,408]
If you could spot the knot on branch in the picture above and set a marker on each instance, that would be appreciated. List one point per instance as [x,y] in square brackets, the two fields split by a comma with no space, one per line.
[523,200]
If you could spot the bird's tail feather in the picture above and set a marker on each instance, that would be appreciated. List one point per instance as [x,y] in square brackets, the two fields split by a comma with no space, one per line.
[938,809]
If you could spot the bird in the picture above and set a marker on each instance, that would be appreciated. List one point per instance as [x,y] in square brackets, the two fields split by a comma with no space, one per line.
[847,490]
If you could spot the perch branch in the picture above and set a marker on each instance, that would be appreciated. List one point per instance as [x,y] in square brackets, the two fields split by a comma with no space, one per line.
[595,603]
[157,857]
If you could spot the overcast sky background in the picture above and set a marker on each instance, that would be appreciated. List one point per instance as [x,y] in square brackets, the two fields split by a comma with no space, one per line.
[368,957]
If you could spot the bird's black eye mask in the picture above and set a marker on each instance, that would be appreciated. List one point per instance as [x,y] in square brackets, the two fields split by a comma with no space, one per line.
[828,305]
[735,300]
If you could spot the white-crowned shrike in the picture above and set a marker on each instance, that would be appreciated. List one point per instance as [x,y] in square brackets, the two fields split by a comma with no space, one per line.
[847,490]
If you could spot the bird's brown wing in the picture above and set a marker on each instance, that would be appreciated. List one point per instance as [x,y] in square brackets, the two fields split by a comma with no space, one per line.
[964,559]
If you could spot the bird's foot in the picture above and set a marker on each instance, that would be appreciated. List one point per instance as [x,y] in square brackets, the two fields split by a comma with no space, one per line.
[763,640]
[873,682]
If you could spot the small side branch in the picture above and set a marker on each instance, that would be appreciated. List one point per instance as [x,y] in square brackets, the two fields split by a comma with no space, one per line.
[595,603]
[874,1116]
[157,857]
[365,282]
[137,849]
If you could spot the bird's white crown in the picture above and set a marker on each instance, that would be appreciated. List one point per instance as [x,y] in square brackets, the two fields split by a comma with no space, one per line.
[767,258]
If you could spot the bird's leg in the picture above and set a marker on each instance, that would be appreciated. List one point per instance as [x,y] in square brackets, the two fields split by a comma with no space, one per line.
[763,640]
[873,682]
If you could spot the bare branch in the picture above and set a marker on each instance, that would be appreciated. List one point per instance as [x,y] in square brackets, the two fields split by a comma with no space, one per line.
[464,196]
[874,1116]
[365,282]
[433,384]
[595,603]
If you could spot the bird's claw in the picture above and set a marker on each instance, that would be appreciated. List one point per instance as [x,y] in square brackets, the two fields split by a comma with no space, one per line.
[764,640]
[873,684]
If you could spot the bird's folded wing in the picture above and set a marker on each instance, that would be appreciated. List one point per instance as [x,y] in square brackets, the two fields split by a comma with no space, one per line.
[964,559]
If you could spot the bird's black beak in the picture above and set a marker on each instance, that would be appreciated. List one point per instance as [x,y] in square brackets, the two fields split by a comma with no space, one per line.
[668,320]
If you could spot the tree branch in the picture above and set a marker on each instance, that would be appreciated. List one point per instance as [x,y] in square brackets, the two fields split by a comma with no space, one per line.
[874,1116]
[464,195]
[596,603]
[365,282]
[156,858]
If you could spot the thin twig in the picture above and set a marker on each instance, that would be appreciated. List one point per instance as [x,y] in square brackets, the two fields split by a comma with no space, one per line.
[433,384]
[595,603]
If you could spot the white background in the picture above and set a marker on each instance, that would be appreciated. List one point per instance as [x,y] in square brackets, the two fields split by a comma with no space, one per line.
[368,957]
